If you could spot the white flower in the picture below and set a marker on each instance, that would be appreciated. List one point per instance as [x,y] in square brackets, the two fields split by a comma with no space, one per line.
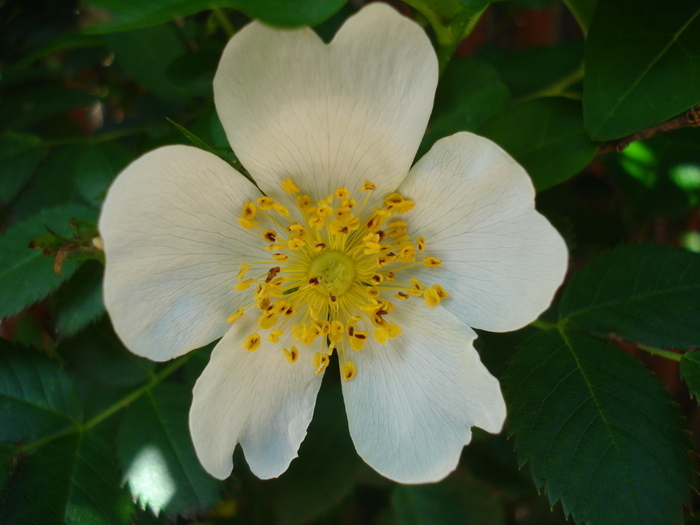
[393,277]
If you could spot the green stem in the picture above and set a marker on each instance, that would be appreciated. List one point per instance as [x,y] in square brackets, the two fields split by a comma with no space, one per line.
[126,400]
[448,35]
[133,396]
[543,325]
[673,356]
[557,88]
[224,21]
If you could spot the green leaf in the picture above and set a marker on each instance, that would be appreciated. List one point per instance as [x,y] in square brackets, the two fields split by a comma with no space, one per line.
[690,370]
[583,12]
[643,293]
[470,93]
[80,299]
[62,43]
[546,136]
[52,184]
[7,453]
[458,500]
[26,271]
[324,473]
[601,435]
[97,166]
[71,480]
[157,456]
[146,55]
[194,71]
[127,15]
[39,104]
[36,397]
[642,65]
[20,154]
[540,70]
[290,13]
[98,354]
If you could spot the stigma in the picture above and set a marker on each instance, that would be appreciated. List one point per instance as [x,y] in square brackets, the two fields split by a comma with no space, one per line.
[334,274]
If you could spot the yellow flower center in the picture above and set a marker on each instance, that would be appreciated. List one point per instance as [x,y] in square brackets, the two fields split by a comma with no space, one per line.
[333,268]
[335,272]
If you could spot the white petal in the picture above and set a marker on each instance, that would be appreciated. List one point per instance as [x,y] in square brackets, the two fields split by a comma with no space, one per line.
[414,400]
[256,399]
[502,261]
[173,248]
[328,115]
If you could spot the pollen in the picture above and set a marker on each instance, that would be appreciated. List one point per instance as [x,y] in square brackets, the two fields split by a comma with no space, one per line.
[334,275]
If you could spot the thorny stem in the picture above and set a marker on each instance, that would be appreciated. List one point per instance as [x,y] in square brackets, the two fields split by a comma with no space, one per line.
[689,118]
[112,409]
[673,356]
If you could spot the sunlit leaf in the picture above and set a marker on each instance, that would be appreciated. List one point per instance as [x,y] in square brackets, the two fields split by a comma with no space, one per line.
[600,434]
[157,457]
[643,293]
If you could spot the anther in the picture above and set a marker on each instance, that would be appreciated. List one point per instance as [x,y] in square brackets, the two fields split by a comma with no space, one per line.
[274,336]
[432,262]
[248,210]
[272,273]
[243,285]
[252,343]
[292,354]
[289,187]
[348,370]
[241,273]
[239,313]
[265,203]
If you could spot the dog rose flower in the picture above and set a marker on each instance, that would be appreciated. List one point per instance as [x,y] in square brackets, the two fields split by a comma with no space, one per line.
[343,248]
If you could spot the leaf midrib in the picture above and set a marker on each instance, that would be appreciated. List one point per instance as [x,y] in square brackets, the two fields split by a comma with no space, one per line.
[634,298]
[634,85]
[608,426]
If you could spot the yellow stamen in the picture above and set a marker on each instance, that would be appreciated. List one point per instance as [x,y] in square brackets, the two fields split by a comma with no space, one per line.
[231,318]
[289,187]
[348,370]
[244,285]
[274,336]
[432,262]
[252,343]
[265,203]
[292,354]
[241,273]
[320,362]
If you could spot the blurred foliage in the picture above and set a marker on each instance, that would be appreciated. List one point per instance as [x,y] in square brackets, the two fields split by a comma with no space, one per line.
[92,434]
